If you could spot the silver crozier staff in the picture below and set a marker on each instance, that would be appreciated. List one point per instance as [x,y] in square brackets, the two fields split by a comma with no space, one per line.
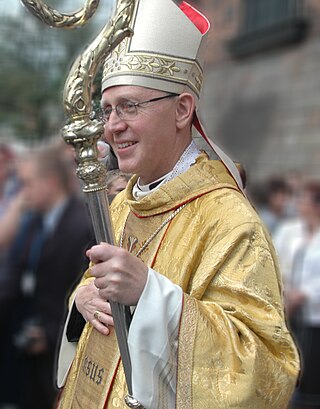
[83,131]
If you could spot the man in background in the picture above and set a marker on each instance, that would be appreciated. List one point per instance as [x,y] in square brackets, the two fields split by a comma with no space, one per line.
[116,182]
[44,261]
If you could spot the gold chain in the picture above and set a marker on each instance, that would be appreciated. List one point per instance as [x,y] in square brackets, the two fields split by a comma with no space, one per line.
[155,233]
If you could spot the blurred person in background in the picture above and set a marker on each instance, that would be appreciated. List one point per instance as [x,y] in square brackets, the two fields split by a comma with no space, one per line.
[116,182]
[8,181]
[298,245]
[10,204]
[9,222]
[295,179]
[107,156]
[43,263]
[271,199]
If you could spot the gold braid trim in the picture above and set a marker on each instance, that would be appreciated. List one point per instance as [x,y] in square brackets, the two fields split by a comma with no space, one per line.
[188,328]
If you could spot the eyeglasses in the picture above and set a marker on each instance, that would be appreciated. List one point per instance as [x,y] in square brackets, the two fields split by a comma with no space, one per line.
[128,110]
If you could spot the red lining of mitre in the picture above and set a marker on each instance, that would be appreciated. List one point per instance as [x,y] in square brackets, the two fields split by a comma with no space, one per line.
[198,19]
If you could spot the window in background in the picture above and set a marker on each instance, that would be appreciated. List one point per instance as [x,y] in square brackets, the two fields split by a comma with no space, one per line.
[268,24]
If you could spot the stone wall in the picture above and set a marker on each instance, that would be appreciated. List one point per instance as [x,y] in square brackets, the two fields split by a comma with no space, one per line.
[264,109]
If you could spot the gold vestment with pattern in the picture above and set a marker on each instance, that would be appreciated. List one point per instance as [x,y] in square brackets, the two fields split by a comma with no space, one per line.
[235,350]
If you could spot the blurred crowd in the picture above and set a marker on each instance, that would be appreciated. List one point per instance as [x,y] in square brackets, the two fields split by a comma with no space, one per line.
[46,228]
[290,208]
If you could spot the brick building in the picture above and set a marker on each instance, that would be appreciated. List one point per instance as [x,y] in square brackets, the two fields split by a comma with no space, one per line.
[261,99]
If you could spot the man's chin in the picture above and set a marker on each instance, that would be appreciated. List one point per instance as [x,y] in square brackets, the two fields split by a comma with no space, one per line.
[127,167]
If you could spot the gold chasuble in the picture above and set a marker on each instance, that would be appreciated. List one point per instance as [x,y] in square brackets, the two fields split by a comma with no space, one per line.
[234,348]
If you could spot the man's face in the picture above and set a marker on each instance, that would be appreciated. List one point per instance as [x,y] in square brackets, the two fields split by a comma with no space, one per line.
[146,145]
[117,186]
[307,206]
[36,188]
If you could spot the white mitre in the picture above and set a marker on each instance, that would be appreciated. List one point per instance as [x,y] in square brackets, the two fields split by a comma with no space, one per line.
[165,52]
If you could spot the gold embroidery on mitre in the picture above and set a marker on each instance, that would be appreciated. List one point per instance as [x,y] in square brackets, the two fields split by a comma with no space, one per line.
[122,62]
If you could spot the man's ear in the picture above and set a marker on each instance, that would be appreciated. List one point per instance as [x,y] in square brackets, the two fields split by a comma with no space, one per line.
[185,110]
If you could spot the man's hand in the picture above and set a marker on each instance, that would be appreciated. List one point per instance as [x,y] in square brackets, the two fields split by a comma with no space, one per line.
[94,308]
[120,276]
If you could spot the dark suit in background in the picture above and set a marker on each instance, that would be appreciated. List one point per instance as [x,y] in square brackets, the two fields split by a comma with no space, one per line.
[41,302]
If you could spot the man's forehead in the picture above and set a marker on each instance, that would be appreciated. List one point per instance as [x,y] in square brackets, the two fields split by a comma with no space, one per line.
[126,92]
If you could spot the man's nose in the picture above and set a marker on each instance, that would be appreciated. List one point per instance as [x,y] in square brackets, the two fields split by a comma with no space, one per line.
[115,123]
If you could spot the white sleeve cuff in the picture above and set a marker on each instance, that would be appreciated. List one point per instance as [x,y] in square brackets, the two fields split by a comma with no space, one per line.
[153,342]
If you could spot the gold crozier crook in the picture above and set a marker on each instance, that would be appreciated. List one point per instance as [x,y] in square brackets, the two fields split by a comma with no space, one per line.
[83,131]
